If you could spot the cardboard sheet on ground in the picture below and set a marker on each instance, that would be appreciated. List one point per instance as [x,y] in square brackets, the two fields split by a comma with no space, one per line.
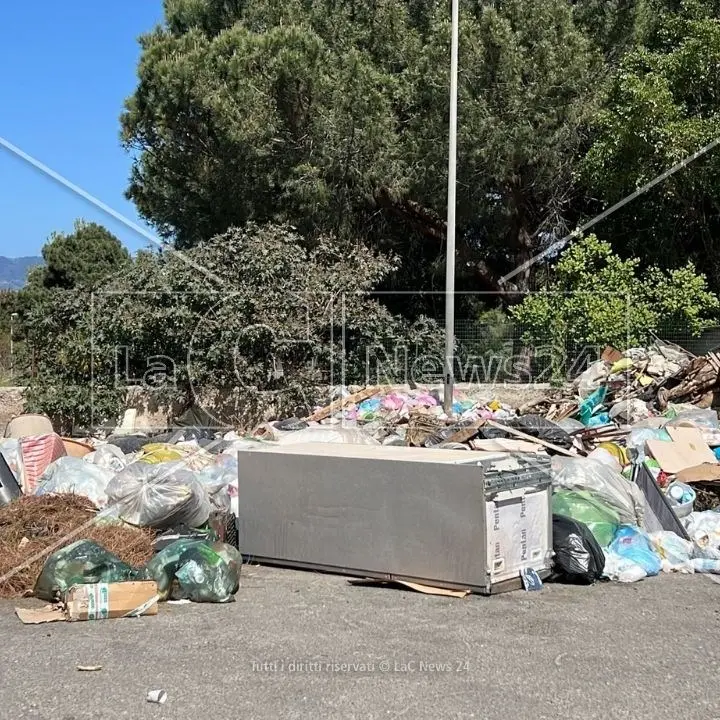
[98,601]
[417,587]
[39,616]
[688,449]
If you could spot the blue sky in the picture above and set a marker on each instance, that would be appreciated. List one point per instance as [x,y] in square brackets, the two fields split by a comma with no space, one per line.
[67,68]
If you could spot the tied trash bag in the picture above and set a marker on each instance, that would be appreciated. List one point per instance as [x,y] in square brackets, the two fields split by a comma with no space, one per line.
[209,573]
[578,557]
[621,569]
[218,481]
[196,570]
[585,507]
[74,475]
[159,496]
[624,497]
[164,565]
[84,562]
[109,457]
[634,545]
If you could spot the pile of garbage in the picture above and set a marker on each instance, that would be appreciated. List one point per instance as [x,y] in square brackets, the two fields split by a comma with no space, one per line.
[130,508]
[634,445]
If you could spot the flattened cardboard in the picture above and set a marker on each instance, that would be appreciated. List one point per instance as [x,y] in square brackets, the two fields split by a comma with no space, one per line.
[39,616]
[688,434]
[417,587]
[706,472]
[688,449]
[111,600]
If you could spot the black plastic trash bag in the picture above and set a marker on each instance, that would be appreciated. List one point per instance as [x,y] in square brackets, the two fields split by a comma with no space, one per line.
[82,563]
[291,424]
[578,556]
[535,425]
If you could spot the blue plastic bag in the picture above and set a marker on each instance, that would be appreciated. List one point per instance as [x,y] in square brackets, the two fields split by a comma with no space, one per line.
[591,404]
[633,544]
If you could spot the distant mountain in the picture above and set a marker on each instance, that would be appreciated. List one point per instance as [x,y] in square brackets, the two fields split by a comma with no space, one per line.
[13,271]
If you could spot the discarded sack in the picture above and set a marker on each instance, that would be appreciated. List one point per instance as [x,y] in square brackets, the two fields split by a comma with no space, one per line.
[589,509]
[634,545]
[578,557]
[82,563]
[159,496]
[209,573]
[196,570]
[534,425]
[624,497]
[76,476]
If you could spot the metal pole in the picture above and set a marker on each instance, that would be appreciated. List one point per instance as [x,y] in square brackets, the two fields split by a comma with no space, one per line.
[450,249]
[12,345]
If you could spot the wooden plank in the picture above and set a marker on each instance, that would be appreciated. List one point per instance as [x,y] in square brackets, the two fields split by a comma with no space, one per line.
[357,397]
[525,436]
[466,433]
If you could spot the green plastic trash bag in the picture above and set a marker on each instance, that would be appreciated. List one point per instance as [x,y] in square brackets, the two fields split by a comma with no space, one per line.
[209,573]
[164,565]
[84,562]
[587,508]
[196,570]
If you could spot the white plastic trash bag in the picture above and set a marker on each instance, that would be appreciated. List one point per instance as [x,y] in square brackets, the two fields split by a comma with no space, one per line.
[675,552]
[108,456]
[590,474]
[592,378]
[621,569]
[159,495]
[218,481]
[74,475]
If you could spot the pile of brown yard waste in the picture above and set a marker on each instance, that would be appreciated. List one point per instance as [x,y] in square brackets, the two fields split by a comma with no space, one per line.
[33,523]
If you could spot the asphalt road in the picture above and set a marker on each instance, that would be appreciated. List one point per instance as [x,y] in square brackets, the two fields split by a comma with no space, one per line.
[648,650]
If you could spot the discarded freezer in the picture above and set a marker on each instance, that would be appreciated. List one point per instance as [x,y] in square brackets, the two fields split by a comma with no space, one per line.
[445,518]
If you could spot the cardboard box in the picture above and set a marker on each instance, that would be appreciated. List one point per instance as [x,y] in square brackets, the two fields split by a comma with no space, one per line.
[97,602]
[111,600]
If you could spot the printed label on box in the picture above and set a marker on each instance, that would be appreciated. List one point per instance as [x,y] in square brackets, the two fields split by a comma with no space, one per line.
[517,532]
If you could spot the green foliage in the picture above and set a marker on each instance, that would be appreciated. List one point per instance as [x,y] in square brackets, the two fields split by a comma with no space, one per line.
[331,115]
[662,106]
[84,258]
[598,298]
[69,383]
[251,312]
[9,304]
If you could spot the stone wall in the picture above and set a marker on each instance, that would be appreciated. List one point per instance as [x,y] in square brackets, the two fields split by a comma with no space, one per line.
[11,404]
[150,415]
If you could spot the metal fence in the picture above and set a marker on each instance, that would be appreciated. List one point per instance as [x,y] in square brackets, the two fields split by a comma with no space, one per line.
[485,353]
